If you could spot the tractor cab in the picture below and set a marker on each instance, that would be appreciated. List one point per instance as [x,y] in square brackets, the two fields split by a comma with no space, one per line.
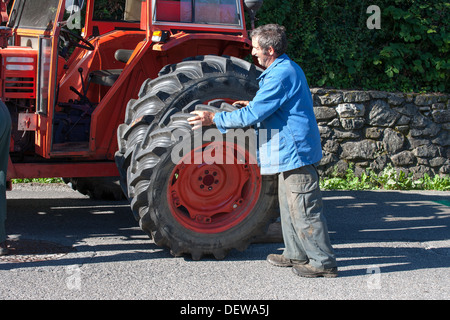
[54,54]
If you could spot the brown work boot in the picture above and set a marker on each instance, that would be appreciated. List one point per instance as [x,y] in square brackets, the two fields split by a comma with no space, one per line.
[280,261]
[309,271]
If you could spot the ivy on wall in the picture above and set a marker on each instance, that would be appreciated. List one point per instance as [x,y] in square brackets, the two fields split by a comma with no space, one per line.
[337,46]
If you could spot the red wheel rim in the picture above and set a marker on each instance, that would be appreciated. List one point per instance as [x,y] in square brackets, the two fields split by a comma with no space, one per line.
[212,197]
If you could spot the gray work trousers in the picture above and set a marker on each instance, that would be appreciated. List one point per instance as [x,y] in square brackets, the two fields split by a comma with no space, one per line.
[304,227]
[5,136]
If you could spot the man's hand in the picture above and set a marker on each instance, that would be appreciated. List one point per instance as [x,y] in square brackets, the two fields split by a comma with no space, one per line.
[241,103]
[202,118]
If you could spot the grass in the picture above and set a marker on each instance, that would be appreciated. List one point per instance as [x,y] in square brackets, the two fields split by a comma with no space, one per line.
[39,180]
[388,179]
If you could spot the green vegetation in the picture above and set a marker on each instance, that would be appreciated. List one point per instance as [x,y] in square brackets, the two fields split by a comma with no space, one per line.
[330,39]
[38,180]
[334,46]
[388,179]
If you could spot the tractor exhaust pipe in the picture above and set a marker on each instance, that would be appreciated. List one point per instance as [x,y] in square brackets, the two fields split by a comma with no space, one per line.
[252,6]
[5,33]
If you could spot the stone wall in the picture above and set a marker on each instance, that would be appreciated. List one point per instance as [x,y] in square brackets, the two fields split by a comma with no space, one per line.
[372,129]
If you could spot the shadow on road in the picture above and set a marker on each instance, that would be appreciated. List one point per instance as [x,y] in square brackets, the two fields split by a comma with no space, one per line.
[389,229]
[366,228]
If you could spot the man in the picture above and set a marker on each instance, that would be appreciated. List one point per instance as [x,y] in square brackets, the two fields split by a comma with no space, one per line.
[5,136]
[283,103]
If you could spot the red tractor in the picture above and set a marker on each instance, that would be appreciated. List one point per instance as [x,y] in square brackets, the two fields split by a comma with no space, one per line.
[98,94]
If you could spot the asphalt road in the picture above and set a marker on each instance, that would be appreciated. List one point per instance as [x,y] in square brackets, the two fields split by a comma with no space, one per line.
[389,245]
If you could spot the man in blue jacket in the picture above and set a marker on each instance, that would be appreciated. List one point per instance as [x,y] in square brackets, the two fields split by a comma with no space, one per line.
[283,105]
[5,136]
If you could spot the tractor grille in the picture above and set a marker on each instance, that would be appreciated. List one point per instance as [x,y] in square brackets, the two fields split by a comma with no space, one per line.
[19,74]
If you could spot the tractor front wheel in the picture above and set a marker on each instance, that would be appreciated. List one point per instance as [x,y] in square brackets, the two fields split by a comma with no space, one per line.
[193,204]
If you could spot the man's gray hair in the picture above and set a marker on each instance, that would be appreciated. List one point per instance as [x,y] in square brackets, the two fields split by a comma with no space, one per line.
[271,35]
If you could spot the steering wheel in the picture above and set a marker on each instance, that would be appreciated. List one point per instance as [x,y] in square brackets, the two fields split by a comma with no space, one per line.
[73,39]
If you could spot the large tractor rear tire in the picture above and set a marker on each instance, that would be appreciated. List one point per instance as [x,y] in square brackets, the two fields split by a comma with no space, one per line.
[193,207]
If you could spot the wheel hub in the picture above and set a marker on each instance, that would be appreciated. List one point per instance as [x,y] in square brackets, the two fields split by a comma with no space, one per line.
[213,197]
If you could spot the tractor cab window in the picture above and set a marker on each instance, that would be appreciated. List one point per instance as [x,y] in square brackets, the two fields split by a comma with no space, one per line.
[32,14]
[219,12]
[117,10]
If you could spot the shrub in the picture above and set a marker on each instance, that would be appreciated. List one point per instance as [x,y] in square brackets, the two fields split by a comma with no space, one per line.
[334,46]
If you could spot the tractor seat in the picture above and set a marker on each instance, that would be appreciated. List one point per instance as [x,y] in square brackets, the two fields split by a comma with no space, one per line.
[108,77]
[123,55]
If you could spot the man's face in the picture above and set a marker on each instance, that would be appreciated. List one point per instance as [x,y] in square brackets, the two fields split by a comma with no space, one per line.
[264,59]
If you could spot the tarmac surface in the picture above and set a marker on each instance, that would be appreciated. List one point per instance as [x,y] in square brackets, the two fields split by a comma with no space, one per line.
[390,245]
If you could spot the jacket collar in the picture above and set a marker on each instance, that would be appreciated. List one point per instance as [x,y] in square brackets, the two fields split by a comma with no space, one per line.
[277,61]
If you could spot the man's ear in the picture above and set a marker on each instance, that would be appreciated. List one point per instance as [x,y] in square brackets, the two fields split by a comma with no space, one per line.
[271,51]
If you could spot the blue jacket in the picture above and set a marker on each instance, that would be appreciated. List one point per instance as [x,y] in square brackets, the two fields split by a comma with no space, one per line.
[283,112]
